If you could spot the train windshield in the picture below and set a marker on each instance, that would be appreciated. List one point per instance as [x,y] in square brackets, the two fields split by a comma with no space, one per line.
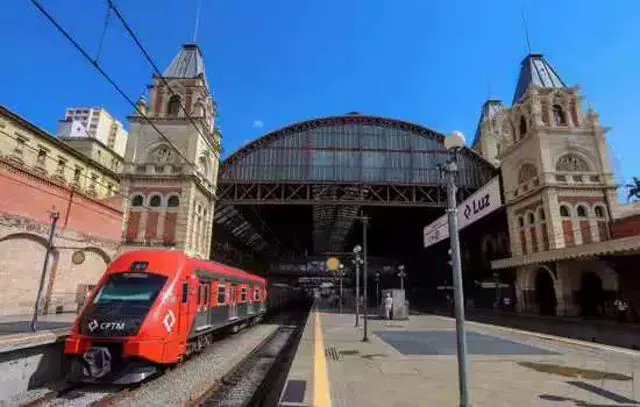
[139,288]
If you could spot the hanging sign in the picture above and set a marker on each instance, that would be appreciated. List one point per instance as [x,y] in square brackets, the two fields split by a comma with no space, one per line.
[483,202]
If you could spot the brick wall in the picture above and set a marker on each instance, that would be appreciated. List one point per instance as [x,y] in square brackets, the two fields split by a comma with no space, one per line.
[31,196]
[625,227]
[87,225]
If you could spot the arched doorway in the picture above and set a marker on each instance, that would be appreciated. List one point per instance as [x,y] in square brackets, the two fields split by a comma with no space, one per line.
[545,293]
[591,295]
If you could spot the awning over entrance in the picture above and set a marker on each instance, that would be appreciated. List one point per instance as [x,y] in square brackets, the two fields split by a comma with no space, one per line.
[622,247]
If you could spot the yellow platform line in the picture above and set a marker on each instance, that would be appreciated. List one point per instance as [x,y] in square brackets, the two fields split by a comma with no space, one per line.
[321,395]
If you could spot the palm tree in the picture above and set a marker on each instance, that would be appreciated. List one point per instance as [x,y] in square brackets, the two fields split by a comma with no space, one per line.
[634,189]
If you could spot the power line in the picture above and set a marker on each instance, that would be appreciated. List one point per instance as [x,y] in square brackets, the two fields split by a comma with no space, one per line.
[81,175]
[97,66]
[157,71]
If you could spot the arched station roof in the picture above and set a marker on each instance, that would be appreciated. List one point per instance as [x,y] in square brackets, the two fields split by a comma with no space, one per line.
[352,148]
[339,166]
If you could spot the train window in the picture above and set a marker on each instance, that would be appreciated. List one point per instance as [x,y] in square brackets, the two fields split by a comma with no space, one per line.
[206,294]
[243,294]
[256,295]
[222,294]
[130,288]
[199,294]
[185,292]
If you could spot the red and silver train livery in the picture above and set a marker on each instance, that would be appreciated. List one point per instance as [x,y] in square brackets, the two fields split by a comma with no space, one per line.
[151,308]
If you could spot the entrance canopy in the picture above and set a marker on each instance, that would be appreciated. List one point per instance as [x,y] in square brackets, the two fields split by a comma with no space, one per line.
[620,247]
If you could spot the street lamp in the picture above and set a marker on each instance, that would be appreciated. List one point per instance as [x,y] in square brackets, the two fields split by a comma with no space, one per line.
[357,261]
[453,144]
[54,215]
[377,289]
[341,271]
[402,275]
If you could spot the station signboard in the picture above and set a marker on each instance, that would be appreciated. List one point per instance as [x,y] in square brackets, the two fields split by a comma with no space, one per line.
[483,202]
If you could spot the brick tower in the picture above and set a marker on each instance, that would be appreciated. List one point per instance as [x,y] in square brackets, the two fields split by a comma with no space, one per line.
[172,193]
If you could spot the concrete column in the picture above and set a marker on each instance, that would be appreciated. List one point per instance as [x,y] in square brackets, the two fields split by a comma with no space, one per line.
[161,222]
[514,233]
[554,221]
[142,228]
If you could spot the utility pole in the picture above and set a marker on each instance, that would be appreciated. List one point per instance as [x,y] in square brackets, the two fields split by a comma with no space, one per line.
[365,221]
[54,220]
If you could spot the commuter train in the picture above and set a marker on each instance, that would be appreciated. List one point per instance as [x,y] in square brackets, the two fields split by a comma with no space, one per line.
[152,308]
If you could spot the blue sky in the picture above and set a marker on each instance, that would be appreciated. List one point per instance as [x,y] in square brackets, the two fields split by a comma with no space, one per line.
[272,63]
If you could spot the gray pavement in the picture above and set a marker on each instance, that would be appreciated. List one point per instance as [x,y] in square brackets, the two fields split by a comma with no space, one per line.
[413,363]
[20,324]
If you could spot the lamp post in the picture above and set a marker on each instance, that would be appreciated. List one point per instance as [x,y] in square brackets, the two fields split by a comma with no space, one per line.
[377,289]
[453,144]
[402,275]
[54,215]
[365,275]
[341,272]
[357,261]
[496,279]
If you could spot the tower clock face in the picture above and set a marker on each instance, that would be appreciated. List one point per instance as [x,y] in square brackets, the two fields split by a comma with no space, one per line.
[163,154]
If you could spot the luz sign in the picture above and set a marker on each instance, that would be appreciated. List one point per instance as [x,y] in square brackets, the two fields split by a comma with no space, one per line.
[484,201]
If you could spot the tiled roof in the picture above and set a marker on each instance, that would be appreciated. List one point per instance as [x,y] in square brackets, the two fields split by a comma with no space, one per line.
[188,63]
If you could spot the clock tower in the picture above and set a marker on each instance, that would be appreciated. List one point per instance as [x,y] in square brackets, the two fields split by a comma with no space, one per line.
[171,161]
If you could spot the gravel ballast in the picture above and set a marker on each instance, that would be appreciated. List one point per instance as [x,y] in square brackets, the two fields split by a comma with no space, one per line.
[193,378]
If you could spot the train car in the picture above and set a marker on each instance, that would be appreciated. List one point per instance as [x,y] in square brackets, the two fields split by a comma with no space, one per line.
[151,308]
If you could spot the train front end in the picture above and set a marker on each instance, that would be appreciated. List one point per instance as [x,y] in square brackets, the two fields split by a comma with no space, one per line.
[128,326]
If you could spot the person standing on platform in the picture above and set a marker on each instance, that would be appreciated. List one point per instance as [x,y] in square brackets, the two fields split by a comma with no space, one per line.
[622,307]
[388,305]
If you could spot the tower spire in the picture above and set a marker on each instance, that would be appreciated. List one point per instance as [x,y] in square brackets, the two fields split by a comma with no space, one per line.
[195,30]
[526,30]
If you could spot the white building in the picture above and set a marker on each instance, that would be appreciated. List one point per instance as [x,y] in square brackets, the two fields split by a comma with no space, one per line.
[95,122]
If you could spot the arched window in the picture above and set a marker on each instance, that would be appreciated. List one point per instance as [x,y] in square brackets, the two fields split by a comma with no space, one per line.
[581,211]
[137,200]
[564,211]
[523,126]
[521,221]
[559,118]
[531,218]
[155,201]
[174,106]
[173,201]
[541,214]
[599,211]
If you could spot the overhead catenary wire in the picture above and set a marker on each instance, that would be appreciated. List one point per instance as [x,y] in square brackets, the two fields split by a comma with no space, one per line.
[84,176]
[135,38]
[97,66]
[109,79]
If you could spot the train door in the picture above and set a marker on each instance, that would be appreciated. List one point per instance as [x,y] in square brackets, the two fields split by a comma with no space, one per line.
[183,312]
[202,316]
[233,312]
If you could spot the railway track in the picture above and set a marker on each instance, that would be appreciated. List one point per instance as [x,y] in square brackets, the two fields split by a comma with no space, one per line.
[243,383]
[256,380]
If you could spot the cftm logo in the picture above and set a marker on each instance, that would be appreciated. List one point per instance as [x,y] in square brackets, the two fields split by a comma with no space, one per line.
[477,205]
[106,326]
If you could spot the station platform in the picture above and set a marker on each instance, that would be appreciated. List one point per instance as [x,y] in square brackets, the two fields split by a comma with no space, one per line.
[413,363]
[15,331]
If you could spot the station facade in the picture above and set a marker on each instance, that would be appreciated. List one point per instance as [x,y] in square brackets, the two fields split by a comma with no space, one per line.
[569,255]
